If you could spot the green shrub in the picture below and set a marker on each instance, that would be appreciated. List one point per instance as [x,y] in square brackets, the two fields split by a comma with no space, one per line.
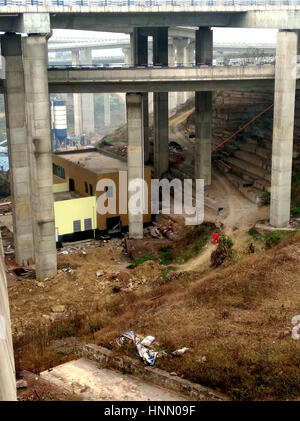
[296,211]
[138,260]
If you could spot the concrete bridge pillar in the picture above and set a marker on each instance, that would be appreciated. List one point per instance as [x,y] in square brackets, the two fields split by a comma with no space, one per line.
[139,45]
[127,56]
[203,110]
[84,113]
[191,53]
[171,63]
[87,100]
[283,128]
[161,108]
[204,46]
[77,108]
[37,106]
[14,94]
[107,119]
[181,45]
[135,155]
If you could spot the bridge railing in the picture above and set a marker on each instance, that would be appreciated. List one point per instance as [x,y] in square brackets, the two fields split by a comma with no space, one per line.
[149,3]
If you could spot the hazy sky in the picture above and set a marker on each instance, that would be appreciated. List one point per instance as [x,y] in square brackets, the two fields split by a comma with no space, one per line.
[234,35]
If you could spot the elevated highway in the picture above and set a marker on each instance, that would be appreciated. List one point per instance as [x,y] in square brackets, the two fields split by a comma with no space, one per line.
[122,16]
[203,78]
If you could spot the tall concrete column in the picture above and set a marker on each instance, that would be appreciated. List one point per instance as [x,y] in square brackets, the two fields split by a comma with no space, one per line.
[204,46]
[35,56]
[87,100]
[14,94]
[140,47]
[191,53]
[181,45]
[107,119]
[171,63]
[127,56]
[160,47]
[84,112]
[161,107]
[203,134]
[190,61]
[8,390]
[135,155]
[77,107]
[203,110]
[283,128]
[161,133]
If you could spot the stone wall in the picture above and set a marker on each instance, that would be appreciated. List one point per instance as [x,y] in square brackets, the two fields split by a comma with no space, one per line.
[108,359]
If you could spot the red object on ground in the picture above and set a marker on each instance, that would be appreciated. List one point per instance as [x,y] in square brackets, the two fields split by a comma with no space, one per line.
[215,237]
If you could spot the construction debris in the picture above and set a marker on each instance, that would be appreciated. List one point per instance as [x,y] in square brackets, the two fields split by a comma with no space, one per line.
[180,351]
[25,273]
[21,384]
[143,349]
[160,231]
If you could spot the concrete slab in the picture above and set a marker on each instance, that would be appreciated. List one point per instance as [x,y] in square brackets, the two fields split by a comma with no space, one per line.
[93,383]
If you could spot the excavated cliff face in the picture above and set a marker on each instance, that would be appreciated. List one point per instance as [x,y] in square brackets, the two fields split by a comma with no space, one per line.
[246,159]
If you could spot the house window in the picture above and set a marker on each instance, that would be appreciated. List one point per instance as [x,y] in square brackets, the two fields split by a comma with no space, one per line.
[91,190]
[59,171]
[86,187]
[88,224]
[77,226]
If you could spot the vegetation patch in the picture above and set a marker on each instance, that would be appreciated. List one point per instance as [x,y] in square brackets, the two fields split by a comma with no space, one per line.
[223,251]
[139,260]
[274,237]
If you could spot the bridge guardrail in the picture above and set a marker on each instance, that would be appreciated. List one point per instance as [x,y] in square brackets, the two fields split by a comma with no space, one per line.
[149,3]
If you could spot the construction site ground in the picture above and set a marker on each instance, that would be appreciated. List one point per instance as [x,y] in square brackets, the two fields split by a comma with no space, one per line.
[166,287]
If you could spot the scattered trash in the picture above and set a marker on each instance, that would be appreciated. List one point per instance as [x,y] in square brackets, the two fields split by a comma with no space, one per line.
[158,231]
[180,351]
[147,354]
[148,340]
[21,383]
[65,252]
[25,273]
[68,270]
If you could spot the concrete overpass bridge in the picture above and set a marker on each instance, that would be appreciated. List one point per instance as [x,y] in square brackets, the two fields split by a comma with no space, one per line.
[28,81]
[170,79]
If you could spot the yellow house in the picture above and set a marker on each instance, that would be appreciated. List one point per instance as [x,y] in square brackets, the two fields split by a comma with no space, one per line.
[75,178]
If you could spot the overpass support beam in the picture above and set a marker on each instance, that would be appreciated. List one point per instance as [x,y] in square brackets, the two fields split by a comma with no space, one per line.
[107,119]
[87,100]
[161,107]
[139,46]
[203,110]
[77,108]
[135,156]
[37,106]
[283,128]
[84,113]
[181,45]
[171,63]
[14,93]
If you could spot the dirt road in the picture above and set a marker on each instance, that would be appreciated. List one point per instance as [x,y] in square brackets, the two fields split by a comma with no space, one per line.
[227,208]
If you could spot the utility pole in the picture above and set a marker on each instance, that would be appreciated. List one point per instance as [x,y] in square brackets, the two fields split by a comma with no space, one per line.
[7,364]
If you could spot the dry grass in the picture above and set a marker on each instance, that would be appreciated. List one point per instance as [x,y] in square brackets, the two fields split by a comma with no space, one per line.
[235,320]
[238,318]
